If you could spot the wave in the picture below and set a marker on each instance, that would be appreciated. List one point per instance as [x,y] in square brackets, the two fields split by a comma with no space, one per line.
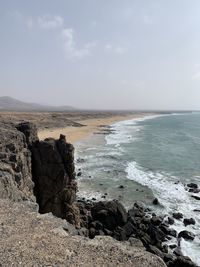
[122,134]
[174,198]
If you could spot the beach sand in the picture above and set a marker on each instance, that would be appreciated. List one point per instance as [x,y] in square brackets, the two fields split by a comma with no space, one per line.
[74,134]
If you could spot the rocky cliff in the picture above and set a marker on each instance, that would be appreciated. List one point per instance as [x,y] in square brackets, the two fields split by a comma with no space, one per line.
[41,171]
[15,164]
[41,175]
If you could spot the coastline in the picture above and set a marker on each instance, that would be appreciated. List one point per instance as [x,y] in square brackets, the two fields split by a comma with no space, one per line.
[75,134]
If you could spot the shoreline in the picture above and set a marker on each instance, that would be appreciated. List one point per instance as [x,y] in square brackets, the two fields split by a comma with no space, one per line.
[75,134]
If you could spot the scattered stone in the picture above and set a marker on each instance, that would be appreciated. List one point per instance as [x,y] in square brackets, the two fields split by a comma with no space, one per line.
[192,185]
[186,235]
[194,190]
[182,261]
[155,201]
[111,213]
[196,210]
[196,197]
[79,174]
[188,221]
[177,215]
[170,220]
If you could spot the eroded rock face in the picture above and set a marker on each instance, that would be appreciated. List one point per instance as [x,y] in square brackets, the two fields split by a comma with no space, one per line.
[15,165]
[54,178]
[45,169]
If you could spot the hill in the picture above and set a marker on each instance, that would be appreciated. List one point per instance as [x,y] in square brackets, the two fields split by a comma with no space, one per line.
[9,103]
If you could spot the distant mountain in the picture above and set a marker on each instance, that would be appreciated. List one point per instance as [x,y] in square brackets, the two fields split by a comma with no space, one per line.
[9,103]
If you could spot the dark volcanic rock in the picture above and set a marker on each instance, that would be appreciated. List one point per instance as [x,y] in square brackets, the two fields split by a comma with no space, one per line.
[177,215]
[186,235]
[192,185]
[188,221]
[194,190]
[30,132]
[79,174]
[54,178]
[182,261]
[196,197]
[170,220]
[155,201]
[155,251]
[110,214]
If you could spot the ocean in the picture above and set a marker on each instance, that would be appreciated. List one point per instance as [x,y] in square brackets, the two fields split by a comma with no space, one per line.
[141,159]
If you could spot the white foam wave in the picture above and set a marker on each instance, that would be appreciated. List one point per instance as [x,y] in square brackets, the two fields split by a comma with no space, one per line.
[174,198]
[124,130]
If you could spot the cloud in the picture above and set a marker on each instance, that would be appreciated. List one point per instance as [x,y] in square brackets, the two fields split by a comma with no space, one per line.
[70,46]
[30,23]
[117,49]
[196,76]
[56,22]
[147,19]
[50,22]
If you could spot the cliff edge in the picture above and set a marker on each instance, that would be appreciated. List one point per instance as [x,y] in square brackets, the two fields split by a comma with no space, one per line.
[38,197]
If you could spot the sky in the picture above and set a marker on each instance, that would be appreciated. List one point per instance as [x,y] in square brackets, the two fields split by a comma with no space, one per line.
[101,54]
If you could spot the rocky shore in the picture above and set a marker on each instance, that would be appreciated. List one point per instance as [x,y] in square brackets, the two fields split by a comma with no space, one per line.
[40,176]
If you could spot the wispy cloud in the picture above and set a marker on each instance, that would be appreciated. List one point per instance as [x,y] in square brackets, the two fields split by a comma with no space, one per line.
[117,49]
[50,22]
[46,22]
[70,46]
[196,76]
[147,19]
[56,22]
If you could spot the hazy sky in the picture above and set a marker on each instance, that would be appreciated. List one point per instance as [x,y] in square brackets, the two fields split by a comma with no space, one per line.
[123,54]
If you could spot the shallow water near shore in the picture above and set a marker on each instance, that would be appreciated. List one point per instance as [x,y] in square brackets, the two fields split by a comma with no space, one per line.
[143,159]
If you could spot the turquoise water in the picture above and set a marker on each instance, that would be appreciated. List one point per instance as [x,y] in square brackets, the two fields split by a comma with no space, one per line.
[154,156]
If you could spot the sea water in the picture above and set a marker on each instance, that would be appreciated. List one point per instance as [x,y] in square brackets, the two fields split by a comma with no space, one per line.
[141,159]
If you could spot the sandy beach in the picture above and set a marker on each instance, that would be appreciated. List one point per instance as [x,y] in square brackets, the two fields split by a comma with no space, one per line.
[74,133]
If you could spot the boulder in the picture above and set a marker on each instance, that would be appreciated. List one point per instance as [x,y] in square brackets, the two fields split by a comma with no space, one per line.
[196,197]
[182,261]
[110,213]
[192,185]
[155,201]
[189,221]
[194,190]
[170,220]
[186,235]
[177,215]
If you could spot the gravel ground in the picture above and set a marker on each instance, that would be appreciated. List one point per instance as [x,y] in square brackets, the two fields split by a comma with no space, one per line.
[32,239]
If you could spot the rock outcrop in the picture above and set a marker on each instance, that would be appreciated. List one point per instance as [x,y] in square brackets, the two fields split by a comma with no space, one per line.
[109,218]
[38,170]
[54,178]
[41,174]
[15,165]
